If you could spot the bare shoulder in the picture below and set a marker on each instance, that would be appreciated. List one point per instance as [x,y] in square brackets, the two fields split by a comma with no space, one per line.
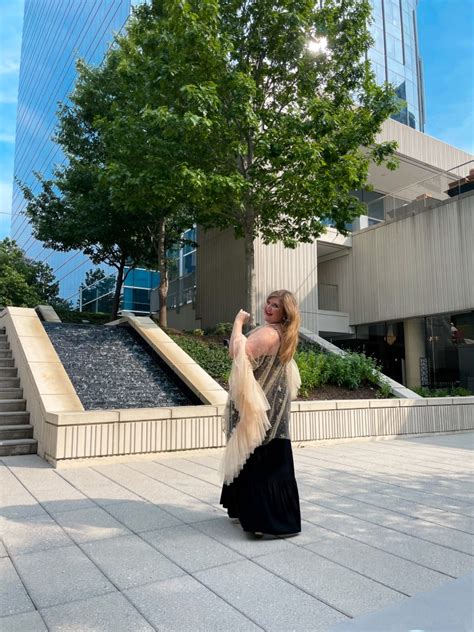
[262,341]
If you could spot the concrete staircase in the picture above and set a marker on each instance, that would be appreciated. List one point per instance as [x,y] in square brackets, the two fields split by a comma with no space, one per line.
[16,433]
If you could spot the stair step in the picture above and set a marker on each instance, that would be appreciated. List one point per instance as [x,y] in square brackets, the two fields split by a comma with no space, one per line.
[9,382]
[3,338]
[8,372]
[13,447]
[5,345]
[9,405]
[6,363]
[11,393]
[5,353]
[14,417]
[19,431]
[2,330]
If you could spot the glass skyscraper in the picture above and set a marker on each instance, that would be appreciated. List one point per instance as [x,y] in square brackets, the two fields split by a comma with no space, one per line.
[395,56]
[55,34]
[58,32]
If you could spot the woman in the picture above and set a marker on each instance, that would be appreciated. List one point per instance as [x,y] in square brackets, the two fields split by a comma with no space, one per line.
[259,481]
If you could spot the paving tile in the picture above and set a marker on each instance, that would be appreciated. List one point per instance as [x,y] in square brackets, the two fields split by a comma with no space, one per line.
[97,487]
[199,471]
[97,614]
[26,622]
[34,533]
[183,604]
[340,587]
[85,525]
[458,540]
[56,506]
[232,535]
[310,533]
[189,548]
[13,596]
[268,600]
[433,556]
[60,575]
[384,567]
[448,608]
[16,501]
[139,515]
[182,506]
[129,561]
[418,510]
[183,482]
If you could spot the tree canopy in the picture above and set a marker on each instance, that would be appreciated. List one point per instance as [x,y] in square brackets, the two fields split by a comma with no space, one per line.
[24,282]
[218,112]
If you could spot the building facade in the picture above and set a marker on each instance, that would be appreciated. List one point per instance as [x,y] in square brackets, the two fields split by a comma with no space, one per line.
[395,56]
[56,34]
[399,287]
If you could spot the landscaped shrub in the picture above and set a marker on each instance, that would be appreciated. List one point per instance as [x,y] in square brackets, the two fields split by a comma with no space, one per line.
[316,367]
[222,329]
[212,357]
[350,370]
[457,391]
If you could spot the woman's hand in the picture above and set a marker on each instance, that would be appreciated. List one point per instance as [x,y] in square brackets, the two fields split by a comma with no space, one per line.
[242,317]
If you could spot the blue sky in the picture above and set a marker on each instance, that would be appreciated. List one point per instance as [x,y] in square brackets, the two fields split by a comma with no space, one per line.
[446,36]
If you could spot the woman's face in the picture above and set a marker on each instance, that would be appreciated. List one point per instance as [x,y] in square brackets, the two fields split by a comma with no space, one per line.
[273,311]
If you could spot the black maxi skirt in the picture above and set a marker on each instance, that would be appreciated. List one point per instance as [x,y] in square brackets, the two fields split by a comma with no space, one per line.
[264,497]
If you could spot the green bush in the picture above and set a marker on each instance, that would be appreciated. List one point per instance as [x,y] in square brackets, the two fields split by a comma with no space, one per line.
[457,391]
[222,329]
[212,357]
[349,371]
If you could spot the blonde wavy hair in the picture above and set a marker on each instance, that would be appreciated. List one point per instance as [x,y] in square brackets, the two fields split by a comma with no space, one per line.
[290,323]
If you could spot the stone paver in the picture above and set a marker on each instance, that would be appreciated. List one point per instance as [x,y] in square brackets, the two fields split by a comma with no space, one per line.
[267,599]
[57,576]
[32,534]
[129,561]
[183,604]
[139,515]
[84,525]
[333,584]
[26,622]
[111,612]
[143,545]
[189,548]
[446,609]
[13,596]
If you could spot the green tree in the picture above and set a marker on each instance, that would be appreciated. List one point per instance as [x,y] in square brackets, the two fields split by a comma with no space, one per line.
[151,96]
[289,135]
[24,282]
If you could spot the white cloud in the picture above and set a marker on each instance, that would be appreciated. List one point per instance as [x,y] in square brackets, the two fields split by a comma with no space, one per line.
[7,138]
[8,96]
[10,66]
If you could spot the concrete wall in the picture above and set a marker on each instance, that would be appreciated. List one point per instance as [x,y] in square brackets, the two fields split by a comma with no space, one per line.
[420,265]
[121,432]
[277,268]
[220,277]
[184,318]
[424,148]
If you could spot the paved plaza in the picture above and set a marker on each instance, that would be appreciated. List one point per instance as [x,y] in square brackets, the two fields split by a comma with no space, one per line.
[144,545]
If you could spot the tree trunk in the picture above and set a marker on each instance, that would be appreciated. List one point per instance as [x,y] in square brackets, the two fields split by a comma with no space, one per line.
[118,287]
[163,269]
[251,304]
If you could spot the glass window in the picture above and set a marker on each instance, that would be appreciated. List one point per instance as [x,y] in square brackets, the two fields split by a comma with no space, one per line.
[394,48]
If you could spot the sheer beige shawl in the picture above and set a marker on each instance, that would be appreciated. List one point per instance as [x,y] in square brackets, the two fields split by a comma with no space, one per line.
[252,405]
